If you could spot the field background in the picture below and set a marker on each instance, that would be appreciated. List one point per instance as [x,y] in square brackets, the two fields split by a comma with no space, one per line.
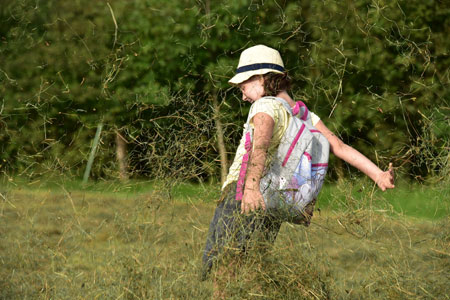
[117,125]
[143,240]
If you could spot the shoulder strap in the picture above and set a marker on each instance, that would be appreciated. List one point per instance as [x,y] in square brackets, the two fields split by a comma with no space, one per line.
[299,107]
[280,100]
[285,104]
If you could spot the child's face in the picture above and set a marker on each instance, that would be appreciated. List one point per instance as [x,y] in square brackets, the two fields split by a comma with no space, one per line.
[252,89]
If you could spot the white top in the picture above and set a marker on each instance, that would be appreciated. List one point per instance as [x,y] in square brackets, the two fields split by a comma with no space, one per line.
[281,119]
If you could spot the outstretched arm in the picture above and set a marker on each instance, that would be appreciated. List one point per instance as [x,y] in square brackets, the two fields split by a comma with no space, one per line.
[384,180]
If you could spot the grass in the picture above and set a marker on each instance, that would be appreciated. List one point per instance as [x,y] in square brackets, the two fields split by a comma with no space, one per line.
[172,190]
[431,202]
[140,241]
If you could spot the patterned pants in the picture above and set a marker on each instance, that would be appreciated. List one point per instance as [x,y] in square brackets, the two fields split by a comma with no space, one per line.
[235,233]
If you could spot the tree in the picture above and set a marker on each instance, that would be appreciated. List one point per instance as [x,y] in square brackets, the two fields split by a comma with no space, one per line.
[155,73]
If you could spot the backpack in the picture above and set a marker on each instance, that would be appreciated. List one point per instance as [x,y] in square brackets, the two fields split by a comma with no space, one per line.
[292,181]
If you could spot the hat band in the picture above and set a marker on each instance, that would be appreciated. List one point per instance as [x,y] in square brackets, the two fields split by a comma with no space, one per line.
[258,67]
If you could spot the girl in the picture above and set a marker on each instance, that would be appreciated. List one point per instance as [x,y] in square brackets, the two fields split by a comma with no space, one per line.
[261,73]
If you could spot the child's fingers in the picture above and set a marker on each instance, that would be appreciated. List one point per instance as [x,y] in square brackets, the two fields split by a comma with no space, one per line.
[263,204]
[247,207]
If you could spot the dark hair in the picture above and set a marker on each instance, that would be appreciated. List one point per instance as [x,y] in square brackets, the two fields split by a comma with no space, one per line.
[275,83]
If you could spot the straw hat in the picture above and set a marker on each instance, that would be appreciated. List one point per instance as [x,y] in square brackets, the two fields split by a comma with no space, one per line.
[257,60]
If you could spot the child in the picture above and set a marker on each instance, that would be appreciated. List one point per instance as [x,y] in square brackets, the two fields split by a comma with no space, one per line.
[261,73]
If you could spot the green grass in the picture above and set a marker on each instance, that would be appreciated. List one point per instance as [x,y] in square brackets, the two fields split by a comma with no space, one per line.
[141,241]
[172,190]
[422,201]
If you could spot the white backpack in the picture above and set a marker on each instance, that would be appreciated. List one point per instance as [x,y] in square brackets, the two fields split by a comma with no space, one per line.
[297,170]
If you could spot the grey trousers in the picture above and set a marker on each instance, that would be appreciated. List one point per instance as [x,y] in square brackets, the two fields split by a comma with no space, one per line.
[232,230]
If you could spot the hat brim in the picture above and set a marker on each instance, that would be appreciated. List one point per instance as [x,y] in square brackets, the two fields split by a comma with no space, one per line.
[241,77]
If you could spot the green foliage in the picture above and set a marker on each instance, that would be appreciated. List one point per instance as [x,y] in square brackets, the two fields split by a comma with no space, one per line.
[375,71]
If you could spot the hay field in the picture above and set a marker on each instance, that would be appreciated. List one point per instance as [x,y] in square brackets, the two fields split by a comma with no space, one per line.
[69,243]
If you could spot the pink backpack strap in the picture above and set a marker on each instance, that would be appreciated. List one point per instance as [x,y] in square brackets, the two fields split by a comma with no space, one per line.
[244,165]
[297,109]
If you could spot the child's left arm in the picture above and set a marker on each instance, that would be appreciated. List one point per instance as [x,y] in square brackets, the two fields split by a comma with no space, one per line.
[262,134]
[384,180]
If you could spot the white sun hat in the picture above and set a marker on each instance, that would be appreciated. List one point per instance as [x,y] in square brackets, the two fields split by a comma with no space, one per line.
[257,60]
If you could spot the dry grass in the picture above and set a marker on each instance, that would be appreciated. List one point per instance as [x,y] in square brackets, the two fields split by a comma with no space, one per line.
[92,245]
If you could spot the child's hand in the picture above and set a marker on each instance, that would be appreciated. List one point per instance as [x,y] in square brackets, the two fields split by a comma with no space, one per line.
[252,200]
[386,179]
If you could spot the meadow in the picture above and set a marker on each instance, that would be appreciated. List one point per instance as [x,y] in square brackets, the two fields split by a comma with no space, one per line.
[143,240]
[112,89]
